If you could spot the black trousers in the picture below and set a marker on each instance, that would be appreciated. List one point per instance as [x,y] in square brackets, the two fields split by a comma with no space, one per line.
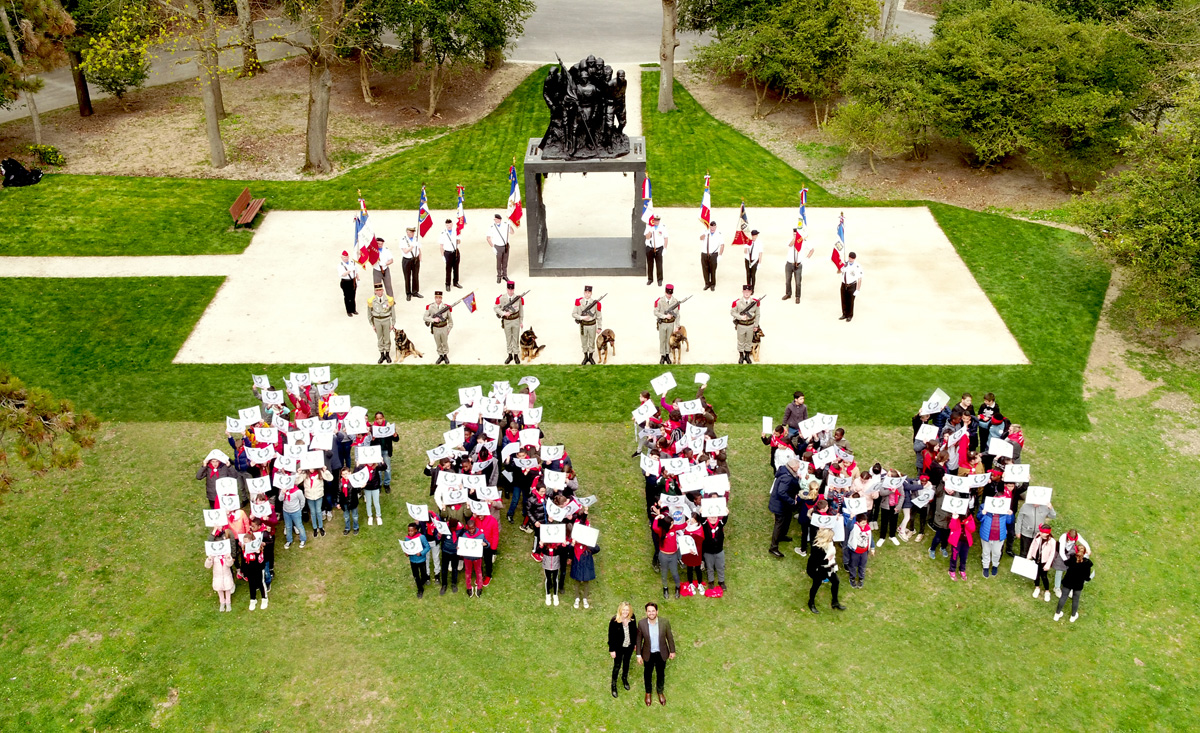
[653,258]
[848,300]
[782,523]
[420,574]
[751,274]
[449,562]
[621,662]
[708,266]
[349,287]
[488,554]
[816,586]
[411,268]
[452,259]
[656,663]
[887,523]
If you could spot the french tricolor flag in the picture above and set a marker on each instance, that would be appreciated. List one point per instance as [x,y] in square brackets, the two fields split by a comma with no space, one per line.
[424,220]
[461,223]
[647,201]
[706,203]
[803,222]
[514,197]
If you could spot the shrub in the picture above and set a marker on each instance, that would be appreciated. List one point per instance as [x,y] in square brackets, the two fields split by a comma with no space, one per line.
[48,155]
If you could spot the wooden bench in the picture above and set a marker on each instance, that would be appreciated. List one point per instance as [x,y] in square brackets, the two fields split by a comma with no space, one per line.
[245,208]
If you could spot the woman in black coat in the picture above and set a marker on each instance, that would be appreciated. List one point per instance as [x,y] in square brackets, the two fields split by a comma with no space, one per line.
[822,564]
[622,640]
[1079,571]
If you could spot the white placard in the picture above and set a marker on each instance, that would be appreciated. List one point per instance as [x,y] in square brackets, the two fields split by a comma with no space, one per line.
[318,374]
[411,546]
[260,509]
[250,415]
[295,449]
[280,424]
[291,464]
[922,498]
[454,497]
[1000,448]
[216,548]
[370,454]
[1038,495]
[695,431]
[663,383]
[301,379]
[308,424]
[556,513]
[283,480]
[448,479]
[957,505]
[997,505]
[226,485]
[419,512]
[355,425]
[214,518]
[957,484]
[702,378]
[491,430]
[554,480]
[501,389]
[644,412]
[691,481]
[272,396]
[691,407]
[525,463]
[233,425]
[262,381]
[325,427]
[552,453]
[927,432]
[438,453]
[687,545]
[712,445]
[587,500]
[715,506]
[845,455]
[890,482]
[1016,473]
[359,478]
[251,546]
[585,534]
[532,382]
[649,464]
[824,521]
[454,437]
[229,501]
[266,435]
[854,506]
[674,466]
[979,480]
[549,533]
[258,485]
[533,416]
[936,403]
[470,547]
[312,460]
[491,409]
[530,437]
[516,402]
[1024,567]
[383,431]
[823,458]
[479,508]
[956,437]
[488,493]
[441,527]
[321,441]
[718,483]
[472,481]
[470,395]
[259,456]
[768,426]
[327,388]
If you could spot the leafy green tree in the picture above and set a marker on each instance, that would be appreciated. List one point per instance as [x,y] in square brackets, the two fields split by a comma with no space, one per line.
[36,33]
[868,127]
[42,433]
[720,16]
[1146,217]
[894,75]
[118,59]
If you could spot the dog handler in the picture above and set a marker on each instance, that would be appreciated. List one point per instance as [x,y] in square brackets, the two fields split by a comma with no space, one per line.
[668,322]
[745,319]
[589,324]
[511,318]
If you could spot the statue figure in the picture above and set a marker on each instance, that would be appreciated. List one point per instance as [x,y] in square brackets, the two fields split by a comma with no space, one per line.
[587,112]
[619,86]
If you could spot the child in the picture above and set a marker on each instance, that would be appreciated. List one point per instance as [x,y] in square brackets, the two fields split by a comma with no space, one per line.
[993,531]
[583,568]
[473,565]
[222,579]
[889,508]
[714,548]
[807,501]
[668,549]
[1042,550]
[1079,571]
[417,562]
[857,547]
[253,565]
[450,557]
[347,498]
[692,560]
[1066,548]
[490,526]
[962,529]
[552,567]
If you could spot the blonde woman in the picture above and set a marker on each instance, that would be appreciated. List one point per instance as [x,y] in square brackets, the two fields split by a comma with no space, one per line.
[622,640]
[822,566]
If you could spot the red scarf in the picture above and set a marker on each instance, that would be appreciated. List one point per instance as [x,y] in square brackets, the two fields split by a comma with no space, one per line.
[346,487]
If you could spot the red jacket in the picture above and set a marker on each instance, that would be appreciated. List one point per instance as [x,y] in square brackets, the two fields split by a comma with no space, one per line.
[491,530]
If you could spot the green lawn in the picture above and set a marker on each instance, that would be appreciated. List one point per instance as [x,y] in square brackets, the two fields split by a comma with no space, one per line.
[109,609]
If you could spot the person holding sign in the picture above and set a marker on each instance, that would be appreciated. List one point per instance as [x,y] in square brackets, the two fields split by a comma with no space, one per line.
[347,498]
[222,567]
[215,467]
[714,549]
[314,484]
[962,530]
[253,567]
[668,548]
[583,567]
[385,443]
[449,541]
[293,508]
[689,554]
[994,529]
[822,566]
[416,561]
[551,559]
[655,645]
[1029,519]
[472,566]
[1079,571]
[858,546]
[1042,551]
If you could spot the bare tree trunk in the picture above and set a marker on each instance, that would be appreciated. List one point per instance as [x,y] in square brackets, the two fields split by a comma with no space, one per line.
[436,80]
[320,85]
[250,62]
[364,68]
[887,19]
[16,56]
[211,59]
[666,58]
[82,95]
[212,120]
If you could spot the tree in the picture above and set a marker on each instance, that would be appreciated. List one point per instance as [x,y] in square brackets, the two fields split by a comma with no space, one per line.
[199,24]
[894,75]
[720,16]
[119,59]
[1146,217]
[250,63]
[868,127]
[44,27]
[41,432]
[666,58]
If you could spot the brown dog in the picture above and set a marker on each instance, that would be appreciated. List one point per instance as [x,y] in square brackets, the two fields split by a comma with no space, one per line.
[405,347]
[529,345]
[757,339]
[605,341]
[679,339]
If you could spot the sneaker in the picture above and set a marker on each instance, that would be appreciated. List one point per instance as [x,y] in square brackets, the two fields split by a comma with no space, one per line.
[287,545]
[1058,616]
[952,577]
[356,530]
[378,521]
[253,605]
[1047,598]
[1073,617]
[986,572]
[487,582]
[895,541]
[995,570]
[442,592]
[920,536]
[800,552]
[264,603]
[556,600]
[880,542]
[932,555]
[1057,591]
[576,603]
[945,553]
[322,531]
[301,544]
[370,520]
[345,532]
[1035,591]
[962,574]
[585,603]
[547,599]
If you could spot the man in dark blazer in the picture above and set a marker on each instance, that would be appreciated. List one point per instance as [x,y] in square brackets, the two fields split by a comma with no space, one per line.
[656,644]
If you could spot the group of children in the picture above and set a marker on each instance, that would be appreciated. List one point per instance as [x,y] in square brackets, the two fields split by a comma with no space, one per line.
[287,463]
[494,450]
[687,488]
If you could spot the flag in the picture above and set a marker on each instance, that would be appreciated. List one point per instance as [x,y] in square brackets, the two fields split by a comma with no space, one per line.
[469,301]
[840,245]
[424,220]
[742,236]
[364,238]
[706,203]
[647,201]
[462,214]
[803,221]
[514,197]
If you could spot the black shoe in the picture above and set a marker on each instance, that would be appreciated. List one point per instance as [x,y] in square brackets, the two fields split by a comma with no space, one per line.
[649,282]
[458,286]
[408,297]
[356,530]
[660,283]
[787,297]
[497,280]
[442,592]
[420,594]
[584,362]
[786,539]
[842,318]
[380,358]
[775,552]
[614,688]
[722,584]
[625,682]
[447,359]
[345,532]
[668,358]
[322,531]
[454,588]
[516,359]
[349,314]
[676,591]
[812,607]
[387,488]
[508,360]
[418,295]
[666,594]
[838,607]
[851,318]
[388,358]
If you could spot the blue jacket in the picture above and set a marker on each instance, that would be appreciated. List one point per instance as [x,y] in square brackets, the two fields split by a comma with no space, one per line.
[985,524]
[450,543]
[784,491]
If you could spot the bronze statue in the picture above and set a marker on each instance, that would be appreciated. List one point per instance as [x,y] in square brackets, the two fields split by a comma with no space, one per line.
[587,112]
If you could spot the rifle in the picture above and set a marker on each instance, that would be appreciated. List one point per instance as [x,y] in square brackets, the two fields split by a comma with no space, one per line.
[593,304]
[446,308]
[675,307]
[513,300]
[753,303]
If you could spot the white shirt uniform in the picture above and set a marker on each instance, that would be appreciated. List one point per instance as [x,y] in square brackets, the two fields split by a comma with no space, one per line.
[346,270]
[711,242]
[414,244]
[385,259]
[448,240]
[658,236]
[498,235]
[754,252]
[793,254]
[852,273]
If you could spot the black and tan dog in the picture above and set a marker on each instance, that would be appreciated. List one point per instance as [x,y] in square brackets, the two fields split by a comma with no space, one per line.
[679,340]
[757,340]
[405,347]
[530,348]
[605,341]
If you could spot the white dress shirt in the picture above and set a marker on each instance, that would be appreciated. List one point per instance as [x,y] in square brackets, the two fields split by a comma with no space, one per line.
[498,234]
[754,252]
[448,240]
[712,242]
[414,244]
[658,236]
[385,258]
[852,273]
[346,270]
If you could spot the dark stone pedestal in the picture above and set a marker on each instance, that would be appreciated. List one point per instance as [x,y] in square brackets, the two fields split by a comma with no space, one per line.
[617,254]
